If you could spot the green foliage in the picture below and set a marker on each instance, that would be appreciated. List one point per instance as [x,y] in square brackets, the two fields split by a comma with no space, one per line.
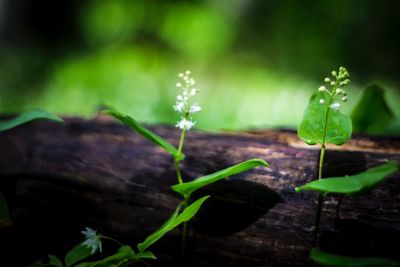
[76,254]
[311,129]
[4,213]
[332,260]
[151,136]
[176,219]
[354,184]
[372,115]
[54,261]
[186,189]
[27,117]
[123,254]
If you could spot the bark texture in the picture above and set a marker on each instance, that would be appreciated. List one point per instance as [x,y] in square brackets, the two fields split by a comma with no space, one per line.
[59,178]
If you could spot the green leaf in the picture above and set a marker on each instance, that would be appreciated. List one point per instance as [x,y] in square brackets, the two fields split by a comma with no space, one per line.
[372,114]
[153,137]
[311,129]
[27,117]
[332,260]
[171,223]
[354,184]
[4,213]
[53,260]
[146,255]
[186,189]
[76,254]
[123,253]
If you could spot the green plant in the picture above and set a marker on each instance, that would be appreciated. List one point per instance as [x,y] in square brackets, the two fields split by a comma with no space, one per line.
[23,118]
[186,107]
[324,123]
[125,255]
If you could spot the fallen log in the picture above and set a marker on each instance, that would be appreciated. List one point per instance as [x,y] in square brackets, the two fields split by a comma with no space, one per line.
[59,178]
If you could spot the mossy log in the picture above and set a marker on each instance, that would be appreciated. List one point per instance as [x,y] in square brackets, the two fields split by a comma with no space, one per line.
[60,178]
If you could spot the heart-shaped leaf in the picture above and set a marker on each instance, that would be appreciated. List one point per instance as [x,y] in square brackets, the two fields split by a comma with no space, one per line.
[354,184]
[186,189]
[311,129]
[151,136]
[175,220]
[372,114]
[27,117]
[333,260]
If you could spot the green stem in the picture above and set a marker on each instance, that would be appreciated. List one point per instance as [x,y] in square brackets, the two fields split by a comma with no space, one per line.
[180,147]
[184,234]
[320,167]
[112,239]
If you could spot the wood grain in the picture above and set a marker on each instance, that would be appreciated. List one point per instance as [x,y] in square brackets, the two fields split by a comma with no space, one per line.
[60,178]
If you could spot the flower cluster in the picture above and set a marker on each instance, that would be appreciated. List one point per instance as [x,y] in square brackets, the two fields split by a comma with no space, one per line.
[338,81]
[93,240]
[184,103]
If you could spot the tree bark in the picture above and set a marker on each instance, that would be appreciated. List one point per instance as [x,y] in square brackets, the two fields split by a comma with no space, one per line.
[60,178]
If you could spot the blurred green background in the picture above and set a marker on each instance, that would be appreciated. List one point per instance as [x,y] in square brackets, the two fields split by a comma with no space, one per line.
[256,62]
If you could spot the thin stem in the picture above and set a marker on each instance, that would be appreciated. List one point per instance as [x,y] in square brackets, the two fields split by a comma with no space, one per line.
[317,220]
[320,167]
[112,239]
[184,235]
[180,147]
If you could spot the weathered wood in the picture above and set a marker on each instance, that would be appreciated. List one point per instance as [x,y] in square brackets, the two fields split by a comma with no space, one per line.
[60,178]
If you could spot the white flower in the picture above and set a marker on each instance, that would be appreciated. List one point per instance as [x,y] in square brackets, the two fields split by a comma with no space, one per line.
[321,88]
[344,99]
[339,90]
[321,101]
[178,85]
[92,241]
[179,106]
[185,124]
[335,106]
[194,108]
[327,80]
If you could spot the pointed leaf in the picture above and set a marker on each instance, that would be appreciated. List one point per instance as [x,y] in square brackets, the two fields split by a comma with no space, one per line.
[311,129]
[4,213]
[146,255]
[53,260]
[76,254]
[354,184]
[186,189]
[332,260]
[123,253]
[372,114]
[151,136]
[184,216]
[27,117]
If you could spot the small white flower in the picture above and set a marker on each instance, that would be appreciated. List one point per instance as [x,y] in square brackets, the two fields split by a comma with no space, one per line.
[321,88]
[321,101]
[194,108]
[335,106]
[179,106]
[178,85]
[344,99]
[193,91]
[92,241]
[179,97]
[339,90]
[185,124]
[187,72]
[327,80]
